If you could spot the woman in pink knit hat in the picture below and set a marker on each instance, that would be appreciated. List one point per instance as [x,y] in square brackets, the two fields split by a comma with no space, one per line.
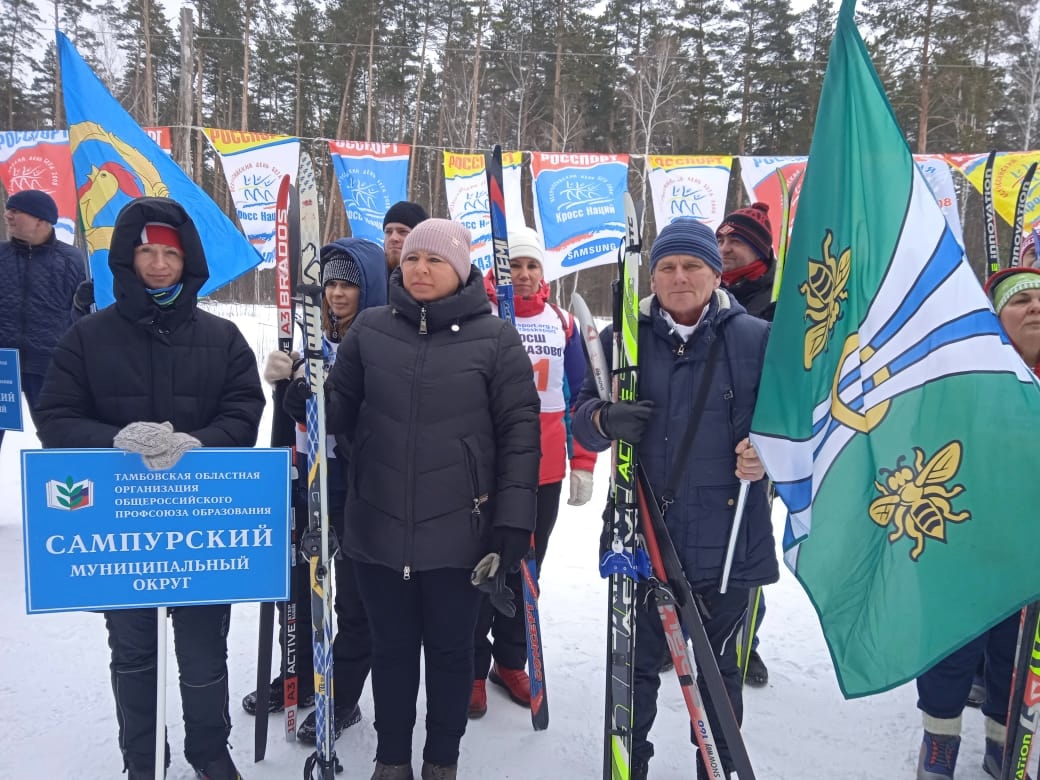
[436,399]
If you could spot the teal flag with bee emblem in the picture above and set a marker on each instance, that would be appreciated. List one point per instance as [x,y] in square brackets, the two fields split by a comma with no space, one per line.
[894,416]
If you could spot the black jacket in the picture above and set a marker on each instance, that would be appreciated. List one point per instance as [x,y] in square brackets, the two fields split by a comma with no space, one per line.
[705,497]
[756,295]
[134,361]
[36,298]
[443,429]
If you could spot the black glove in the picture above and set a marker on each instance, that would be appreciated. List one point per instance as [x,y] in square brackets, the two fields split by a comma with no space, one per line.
[511,544]
[84,297]
[490,578]
[508,548]
[295,401]
[625,420]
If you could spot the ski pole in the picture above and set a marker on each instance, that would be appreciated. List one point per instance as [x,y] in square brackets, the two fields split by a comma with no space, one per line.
[734,532]
[160,694]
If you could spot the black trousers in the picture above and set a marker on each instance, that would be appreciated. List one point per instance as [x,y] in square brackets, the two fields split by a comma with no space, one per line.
[200,643]
[434,611]
[723,617]
[510,634]
[943,690]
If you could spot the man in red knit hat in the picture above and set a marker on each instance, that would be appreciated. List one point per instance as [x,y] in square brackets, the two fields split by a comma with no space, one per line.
[748,263]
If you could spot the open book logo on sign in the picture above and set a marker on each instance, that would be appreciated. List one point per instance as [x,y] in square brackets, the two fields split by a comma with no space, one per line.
[69,494]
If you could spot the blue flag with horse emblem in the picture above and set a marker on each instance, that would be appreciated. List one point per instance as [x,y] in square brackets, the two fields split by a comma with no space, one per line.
[895,417]
[114,161]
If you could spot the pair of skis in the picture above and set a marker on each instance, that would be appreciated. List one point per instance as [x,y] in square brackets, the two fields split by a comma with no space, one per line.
[317,542]
[287,261]
[298,236]
[990,215]
[624,562]
[528,567]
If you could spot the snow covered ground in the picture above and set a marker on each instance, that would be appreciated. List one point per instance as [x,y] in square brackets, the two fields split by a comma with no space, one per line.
[58,719]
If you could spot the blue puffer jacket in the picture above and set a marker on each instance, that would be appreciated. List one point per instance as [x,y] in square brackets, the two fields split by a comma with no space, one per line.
[669,375]
[36,298]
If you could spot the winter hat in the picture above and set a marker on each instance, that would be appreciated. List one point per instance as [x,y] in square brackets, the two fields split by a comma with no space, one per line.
[750,225]
[337,264]
[405,212]
[1027,254]
[687,236]
[35,203]
[1002,285]
[161,233]
[444,238]
[525,242]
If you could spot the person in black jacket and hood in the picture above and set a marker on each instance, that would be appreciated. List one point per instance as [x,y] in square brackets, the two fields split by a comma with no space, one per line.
[353,277]
[436,398]
[154,374]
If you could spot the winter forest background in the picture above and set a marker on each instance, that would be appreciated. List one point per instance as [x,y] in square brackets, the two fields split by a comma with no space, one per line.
[629,76]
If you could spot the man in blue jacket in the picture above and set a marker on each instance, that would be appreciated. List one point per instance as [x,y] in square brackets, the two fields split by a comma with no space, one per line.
[41,277]
[678,324]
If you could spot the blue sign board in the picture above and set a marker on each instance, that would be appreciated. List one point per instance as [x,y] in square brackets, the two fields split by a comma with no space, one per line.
[102,531]
[10,391]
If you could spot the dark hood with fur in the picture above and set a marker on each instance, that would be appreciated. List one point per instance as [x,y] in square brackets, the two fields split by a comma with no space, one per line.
[132,298]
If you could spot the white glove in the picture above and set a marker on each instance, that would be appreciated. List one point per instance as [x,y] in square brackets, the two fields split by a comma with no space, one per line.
[157,443]
[581,487]
[279,366]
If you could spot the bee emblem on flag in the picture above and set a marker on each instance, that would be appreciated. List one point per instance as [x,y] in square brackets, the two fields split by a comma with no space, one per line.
[824,291]
[916,501]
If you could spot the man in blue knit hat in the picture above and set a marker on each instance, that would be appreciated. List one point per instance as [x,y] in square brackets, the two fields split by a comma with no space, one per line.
[692,334]
[42,276]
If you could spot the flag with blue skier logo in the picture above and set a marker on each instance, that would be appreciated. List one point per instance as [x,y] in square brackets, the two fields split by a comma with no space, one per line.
[115,161]
[896,419]
[372,178]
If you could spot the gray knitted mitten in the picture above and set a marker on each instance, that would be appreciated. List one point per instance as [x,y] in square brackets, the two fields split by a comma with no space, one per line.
[176,445]
[157,443]
[145,438]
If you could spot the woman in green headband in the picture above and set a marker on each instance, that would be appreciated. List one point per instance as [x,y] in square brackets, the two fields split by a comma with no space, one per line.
[1015,293]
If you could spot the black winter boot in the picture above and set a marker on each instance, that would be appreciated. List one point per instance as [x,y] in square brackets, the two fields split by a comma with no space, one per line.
[276,698]
[134,772]
[343,718]
[220,768]
[392,771]
[438,771]
[757,675]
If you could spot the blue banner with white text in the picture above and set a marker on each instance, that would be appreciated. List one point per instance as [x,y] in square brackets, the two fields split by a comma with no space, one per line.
[102,531]
[10,391]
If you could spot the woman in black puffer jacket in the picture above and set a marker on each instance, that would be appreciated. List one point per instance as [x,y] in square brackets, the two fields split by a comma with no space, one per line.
[156,371]
[436,398]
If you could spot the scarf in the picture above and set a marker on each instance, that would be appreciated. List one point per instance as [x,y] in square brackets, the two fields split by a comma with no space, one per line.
[749,272]
[165,296]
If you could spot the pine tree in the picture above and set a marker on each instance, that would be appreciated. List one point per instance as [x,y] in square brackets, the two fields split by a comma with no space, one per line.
[20,22]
